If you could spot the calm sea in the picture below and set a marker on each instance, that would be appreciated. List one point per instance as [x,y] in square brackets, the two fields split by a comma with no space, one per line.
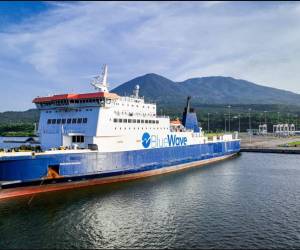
[252,201]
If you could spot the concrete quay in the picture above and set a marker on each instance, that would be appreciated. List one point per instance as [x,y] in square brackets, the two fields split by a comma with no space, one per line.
[268,144]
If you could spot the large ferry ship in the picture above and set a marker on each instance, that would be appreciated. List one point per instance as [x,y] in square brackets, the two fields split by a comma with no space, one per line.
[101,137]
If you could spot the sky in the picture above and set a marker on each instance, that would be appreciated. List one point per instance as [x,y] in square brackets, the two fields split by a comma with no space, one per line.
[57,47]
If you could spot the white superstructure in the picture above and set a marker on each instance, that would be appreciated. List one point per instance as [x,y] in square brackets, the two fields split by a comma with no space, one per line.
[108,122]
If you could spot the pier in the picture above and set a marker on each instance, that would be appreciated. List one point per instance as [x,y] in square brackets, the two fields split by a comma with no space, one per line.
[269,144]
[272,150]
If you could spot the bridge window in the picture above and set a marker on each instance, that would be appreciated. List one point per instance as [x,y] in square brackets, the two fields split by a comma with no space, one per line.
[58,121]
[79,120]
[84,120]
[74,120]
[129,120]
[125,120]
[120,120]
[53,121]
[146,121]
[69,121]
[49,121]
[78,139]
[134,120]
[63,121]
[142,121]
[115,120]
[138,121]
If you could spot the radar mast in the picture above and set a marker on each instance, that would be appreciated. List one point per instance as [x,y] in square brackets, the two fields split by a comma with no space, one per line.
[100,82]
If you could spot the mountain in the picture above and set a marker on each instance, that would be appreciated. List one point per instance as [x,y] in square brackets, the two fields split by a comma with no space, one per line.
[209,94]
[11,117]
[206,90]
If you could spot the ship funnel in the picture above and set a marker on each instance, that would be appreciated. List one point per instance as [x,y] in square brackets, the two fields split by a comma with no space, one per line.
[189,119]
[100,82]
[188,101]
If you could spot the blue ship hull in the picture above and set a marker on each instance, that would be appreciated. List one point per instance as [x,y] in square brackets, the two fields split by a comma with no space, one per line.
[97,165]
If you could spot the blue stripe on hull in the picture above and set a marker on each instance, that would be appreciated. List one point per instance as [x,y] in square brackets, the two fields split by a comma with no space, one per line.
[28,168]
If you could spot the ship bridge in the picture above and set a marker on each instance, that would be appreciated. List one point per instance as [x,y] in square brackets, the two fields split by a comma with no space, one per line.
[70,101]
[71,120]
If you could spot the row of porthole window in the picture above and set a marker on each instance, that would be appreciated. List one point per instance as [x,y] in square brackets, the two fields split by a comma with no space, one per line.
[141,128]
[67,102]
[135,121]
[67,121]
[135,105]
[133,114]
[76,110]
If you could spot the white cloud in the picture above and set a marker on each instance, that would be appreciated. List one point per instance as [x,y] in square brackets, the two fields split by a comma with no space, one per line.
[56,50]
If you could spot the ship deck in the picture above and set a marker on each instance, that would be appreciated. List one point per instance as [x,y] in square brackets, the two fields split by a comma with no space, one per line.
[48,152]
[70,151]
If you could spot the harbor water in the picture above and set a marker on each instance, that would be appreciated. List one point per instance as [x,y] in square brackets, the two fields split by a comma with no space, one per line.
[251,201]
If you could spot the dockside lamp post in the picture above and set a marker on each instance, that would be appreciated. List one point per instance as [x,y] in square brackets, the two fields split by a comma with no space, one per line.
[229,118]
[208,122]
[265,116]
[250,131]
[239,120]
[225,123]
[239,123]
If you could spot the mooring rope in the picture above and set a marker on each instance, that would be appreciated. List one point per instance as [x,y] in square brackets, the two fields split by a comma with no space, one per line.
[43,178]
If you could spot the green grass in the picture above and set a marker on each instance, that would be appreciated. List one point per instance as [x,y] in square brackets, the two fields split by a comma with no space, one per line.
[291,144]
[294,144]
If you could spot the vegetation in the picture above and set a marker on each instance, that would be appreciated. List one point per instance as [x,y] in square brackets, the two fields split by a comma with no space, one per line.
[13,117]
[239,116]
[22,123]
[18,129]
[291,144]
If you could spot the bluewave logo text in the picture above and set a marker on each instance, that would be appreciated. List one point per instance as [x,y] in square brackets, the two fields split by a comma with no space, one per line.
[155,142]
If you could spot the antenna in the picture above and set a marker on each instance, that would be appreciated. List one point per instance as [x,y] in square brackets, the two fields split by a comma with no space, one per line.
[100,83]
[136,91]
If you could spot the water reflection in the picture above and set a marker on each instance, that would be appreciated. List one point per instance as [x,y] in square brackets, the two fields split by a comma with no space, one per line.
[251,202]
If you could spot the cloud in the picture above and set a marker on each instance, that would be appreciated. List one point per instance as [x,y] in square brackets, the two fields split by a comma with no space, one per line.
[55,51]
